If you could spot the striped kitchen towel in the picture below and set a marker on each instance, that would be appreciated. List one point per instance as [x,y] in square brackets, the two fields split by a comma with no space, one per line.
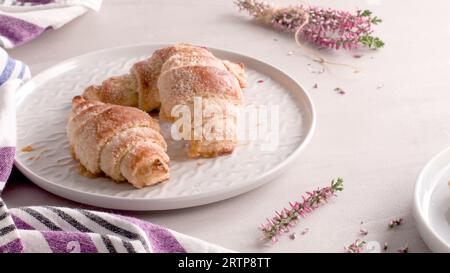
[23,20]
[54,229]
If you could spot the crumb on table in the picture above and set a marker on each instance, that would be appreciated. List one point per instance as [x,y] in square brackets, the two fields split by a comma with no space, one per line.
[27,149]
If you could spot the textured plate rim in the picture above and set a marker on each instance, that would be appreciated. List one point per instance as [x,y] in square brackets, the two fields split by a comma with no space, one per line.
[166,203]
[426,230]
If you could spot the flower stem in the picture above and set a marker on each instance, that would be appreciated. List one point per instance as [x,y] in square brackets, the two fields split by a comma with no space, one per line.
[286,218]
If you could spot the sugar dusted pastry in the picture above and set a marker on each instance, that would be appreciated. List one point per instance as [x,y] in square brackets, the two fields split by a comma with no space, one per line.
[139,87]
[177,76]
[196,74]
[122,142]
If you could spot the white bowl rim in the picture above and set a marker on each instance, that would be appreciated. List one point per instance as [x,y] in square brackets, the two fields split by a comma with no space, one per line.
[418,210]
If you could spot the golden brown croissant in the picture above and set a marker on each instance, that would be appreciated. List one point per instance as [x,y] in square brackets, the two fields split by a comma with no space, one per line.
[139,87]
[189,75]
[177,75]
[122,142]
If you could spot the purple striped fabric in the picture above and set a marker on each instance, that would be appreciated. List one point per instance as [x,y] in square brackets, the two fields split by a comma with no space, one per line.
[6,161]
[61,241]
[161,240]
[18,31]
[36,2]
[66,242]
[20,224]
[14,246]
[7,71]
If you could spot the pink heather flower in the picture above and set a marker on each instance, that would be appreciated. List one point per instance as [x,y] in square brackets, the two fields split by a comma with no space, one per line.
[363,232]
[395,223]
[306,230]
[288,217]
[324,27]
[293,236]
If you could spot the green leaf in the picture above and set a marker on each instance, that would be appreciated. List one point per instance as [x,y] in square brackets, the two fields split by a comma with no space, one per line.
[366,13]
[338,184]
[375,20]
[372,42]
[378,43]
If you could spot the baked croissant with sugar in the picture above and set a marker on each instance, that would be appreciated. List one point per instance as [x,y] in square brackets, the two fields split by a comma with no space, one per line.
[122,142]
[184,75]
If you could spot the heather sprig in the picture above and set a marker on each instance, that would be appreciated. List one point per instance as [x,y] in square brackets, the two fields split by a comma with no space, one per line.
[288,217]
[324,27]
[356,247]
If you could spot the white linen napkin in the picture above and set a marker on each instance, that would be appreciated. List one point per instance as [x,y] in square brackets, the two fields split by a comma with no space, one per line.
[23,20]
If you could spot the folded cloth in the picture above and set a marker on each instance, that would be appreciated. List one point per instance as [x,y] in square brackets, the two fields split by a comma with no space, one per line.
[23,20]
[54,229]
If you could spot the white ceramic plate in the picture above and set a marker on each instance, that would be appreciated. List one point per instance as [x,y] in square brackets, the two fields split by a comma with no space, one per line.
[44,104]
[432,202]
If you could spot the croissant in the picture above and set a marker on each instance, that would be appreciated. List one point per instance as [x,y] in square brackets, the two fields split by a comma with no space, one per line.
[122,142]
[174,76]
